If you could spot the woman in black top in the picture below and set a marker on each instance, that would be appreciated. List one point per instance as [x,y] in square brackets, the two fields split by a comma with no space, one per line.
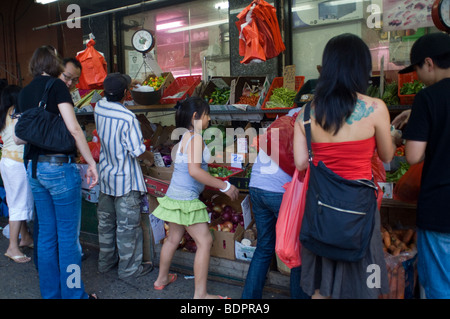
[56,184]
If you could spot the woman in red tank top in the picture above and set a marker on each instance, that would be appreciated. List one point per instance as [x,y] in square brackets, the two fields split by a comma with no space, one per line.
[347,127]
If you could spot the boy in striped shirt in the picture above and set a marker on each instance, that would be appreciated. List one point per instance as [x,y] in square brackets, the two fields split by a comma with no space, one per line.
[121,181]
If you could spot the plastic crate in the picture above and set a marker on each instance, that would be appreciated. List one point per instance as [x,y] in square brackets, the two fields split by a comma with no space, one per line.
[184,85]
[402,79]
[277,83]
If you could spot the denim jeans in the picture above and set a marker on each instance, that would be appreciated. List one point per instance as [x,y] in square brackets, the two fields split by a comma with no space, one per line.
[57,196]
[433,263]
[265,206]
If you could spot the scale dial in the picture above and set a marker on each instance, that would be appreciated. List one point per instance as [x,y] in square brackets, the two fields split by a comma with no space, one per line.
[441,15]
[143,41]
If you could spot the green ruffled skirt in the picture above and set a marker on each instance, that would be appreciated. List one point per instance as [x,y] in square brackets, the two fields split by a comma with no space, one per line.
[181,212]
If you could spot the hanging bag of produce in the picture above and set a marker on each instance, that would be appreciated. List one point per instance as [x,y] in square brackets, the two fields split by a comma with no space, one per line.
[289,222]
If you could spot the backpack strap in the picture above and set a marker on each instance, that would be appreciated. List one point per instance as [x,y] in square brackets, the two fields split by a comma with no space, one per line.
[307,125]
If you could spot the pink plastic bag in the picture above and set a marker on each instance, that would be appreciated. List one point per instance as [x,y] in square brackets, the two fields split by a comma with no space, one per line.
[290,218]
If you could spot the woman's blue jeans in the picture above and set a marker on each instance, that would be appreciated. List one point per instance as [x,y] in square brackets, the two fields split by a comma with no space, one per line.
[265,206]
[57,196]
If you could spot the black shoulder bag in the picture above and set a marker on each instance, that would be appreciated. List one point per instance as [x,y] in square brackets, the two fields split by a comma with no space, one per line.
[44,129]
[339,213]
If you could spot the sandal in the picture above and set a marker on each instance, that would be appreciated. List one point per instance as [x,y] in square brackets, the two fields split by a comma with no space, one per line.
[172,278]
[93,296]
[19,258]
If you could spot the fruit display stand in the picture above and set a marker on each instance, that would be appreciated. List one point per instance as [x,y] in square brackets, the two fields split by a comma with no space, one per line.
[221,269]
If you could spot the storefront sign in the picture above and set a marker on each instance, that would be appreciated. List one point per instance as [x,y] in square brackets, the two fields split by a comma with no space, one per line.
[307,13]
[409,14]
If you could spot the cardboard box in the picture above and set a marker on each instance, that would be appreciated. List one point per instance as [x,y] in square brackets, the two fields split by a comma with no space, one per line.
[224,242]
[217,82]
[161,173]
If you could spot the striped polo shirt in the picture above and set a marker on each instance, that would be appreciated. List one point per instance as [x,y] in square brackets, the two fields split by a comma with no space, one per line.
[121,143]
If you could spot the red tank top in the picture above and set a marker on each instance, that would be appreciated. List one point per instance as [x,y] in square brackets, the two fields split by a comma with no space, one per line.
[350,160]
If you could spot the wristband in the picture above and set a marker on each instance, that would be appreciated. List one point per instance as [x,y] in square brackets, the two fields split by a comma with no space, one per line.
[226,188]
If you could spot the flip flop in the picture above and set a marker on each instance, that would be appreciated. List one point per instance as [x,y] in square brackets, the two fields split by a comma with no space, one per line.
[172,278]
[221,297]
[18,257]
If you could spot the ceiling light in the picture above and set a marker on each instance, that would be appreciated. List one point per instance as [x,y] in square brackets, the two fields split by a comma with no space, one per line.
[44,1]
[198,26]
[221,5]
[169,25]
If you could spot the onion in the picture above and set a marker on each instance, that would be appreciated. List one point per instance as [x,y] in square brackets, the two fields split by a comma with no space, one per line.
[191,246]
[226,216]
[228,209]
[227,224]
[236,218]
[215,215]
[217,208]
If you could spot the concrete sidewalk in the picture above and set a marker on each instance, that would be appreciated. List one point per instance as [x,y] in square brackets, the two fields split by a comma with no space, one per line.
[21,281]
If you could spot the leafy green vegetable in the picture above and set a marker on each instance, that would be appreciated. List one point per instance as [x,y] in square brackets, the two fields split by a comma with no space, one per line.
[281,97]
[395,176]
[219,96]
[390,95]
[409,88]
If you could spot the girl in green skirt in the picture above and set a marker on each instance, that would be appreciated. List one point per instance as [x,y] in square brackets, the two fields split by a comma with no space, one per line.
[181,207]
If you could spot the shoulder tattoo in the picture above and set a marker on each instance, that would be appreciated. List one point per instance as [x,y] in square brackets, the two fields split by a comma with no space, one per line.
[361,111]
[301,115]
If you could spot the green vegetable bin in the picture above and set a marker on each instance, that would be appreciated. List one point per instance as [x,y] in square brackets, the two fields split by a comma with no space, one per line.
[277,83]
[402,79]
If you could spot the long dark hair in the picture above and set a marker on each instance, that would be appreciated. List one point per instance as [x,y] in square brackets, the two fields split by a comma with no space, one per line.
[187,108]
[346,68]
[8,98]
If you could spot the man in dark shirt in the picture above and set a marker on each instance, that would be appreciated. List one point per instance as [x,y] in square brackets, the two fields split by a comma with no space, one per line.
[428,139]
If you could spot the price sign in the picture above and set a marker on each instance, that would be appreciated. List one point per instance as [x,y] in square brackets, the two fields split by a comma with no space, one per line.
[289,77]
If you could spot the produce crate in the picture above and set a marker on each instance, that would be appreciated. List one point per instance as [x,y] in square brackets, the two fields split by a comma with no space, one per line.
[402,79]
[180,89]
[277,83]
[251,81]
[217,82]
[150,98]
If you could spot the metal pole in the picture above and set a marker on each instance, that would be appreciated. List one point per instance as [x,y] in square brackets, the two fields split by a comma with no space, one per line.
[96,14]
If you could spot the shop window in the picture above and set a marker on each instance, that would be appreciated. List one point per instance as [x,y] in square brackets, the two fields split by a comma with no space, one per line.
[190,39]
[389,28]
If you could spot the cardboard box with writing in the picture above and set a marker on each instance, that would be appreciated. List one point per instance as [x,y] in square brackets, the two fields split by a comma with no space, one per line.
[224,242]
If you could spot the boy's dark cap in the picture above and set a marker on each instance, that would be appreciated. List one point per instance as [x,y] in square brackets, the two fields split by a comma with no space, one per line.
[116,83]
[427,46]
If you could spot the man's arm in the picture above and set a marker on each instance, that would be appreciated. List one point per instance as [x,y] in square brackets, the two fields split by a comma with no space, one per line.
[415,151]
